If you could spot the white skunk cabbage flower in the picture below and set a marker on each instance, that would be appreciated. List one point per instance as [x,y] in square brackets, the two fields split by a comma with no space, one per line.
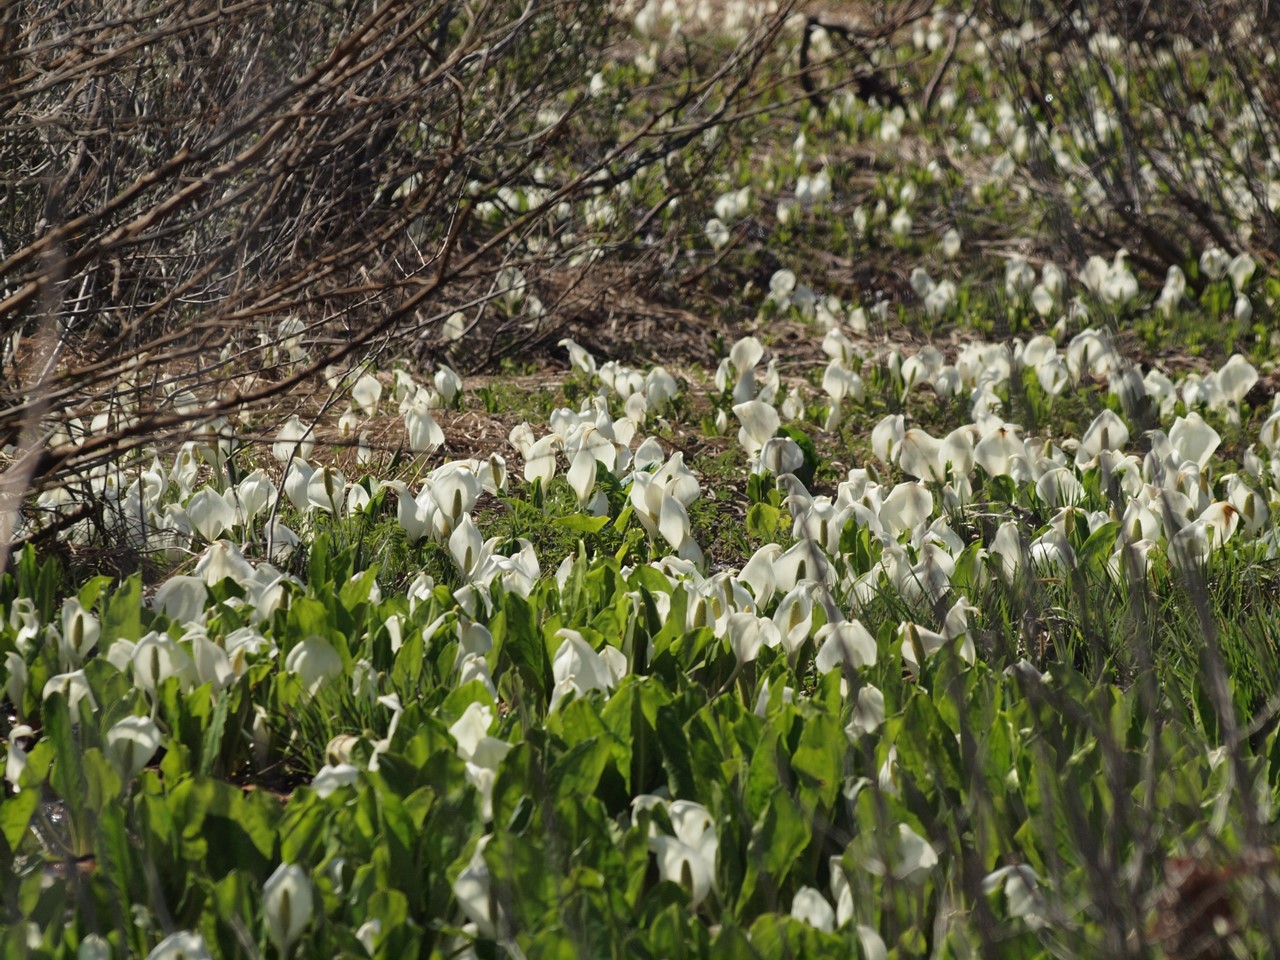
[448,384]
[15,760]
[297,476]
[454,489]
[74,686]
[19,675]
[425,435]
[315,662]
[210,513]
[183,945]
[131,743]
[813,190]
[1106,432]
[921,282]
[366,392]
[79,633]
[1052,553]
[916,857]
[747,633]
[326,489]
[840,383]
[743,358]
[582,479]
[1094,274]
[660,388]
[254,494]
[716,232]
[1214,262]
[845,643]
[480,752]
[287,905]
[578,668]
[1001,452]
[471,890]
[1053,376]
[868,713]
[156,658]
[913,856]
[1236,378]
[779,456]
[332,777]
[908,505]
[1253,509]
[282,539]
[1018,277]
[760,421]
[941,298]
[951,244]
[1059,487]
[182,598]
[511,287]
[688,858]
[886,438]
[794,617]
[1120,285]
[1240,270]
[467,548]
[811,907]
[454,326]
[733,205]
[1007,551]
[294,440]
[1020,885]
[1193,439]
[1175,285]
[540,462]
[1042,300]
[659,506]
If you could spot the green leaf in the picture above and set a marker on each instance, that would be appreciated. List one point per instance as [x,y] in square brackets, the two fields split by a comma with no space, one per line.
[577,773]
[122,619]
[777,840]
[15,816]
[1097,548]
[818,761]
[92,590]
[102,783]
[517,641]
[675,753]
[807,450]
[776,937]
[733,943]
[781,835]
[580,523]
[66,776]
[763,520]
[213,733]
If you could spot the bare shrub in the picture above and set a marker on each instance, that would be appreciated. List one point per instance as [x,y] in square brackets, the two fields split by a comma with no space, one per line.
[205,205]
[1158,122]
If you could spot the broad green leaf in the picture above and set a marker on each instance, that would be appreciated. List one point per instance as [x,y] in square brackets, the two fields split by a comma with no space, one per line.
[102,782]
[777,840]
[763,521]
[818,762]
[580,523]
[122,619]
[16,812]
[518,642]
